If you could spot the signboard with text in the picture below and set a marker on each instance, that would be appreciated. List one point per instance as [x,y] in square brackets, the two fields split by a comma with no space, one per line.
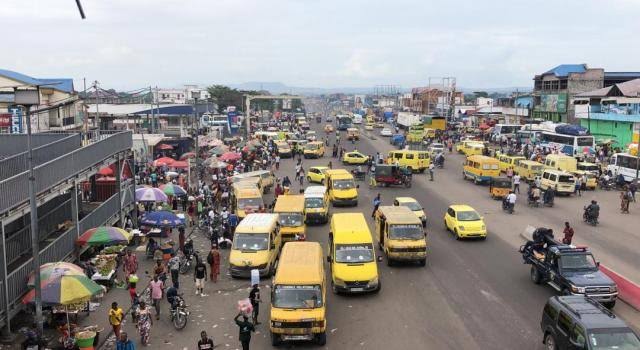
[553,103]
[5,120]
[232,116]
[16,120]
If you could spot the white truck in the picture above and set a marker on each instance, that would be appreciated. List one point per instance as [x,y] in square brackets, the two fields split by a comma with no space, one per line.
[407,119]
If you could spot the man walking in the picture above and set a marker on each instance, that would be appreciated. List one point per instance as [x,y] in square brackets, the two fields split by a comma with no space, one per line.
[130,265]
[213,259]
[516,183]
[156,287]
[431,168]
[376,204]
[568,233]
[174,269]
[245,328]
[124,343]
[254,297]
[205,343]
[200,276]
[115,318]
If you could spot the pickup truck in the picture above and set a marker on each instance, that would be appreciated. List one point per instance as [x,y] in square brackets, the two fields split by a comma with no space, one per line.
[569,269]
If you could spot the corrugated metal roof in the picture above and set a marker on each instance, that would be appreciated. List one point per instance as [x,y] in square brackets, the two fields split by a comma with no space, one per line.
[563,70]
[629,88]
[621,75]
[62,84]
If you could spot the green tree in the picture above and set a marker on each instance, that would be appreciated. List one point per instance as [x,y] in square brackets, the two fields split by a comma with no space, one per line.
[480,94]
[225,96]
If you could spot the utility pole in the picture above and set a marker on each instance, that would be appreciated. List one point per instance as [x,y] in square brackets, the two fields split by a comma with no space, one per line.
[152,101]
[85,111]
[96,120]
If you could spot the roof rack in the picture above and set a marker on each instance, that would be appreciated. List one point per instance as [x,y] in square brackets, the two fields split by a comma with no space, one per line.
[591,301]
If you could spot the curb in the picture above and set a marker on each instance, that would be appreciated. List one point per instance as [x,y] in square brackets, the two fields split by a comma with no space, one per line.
[629,292]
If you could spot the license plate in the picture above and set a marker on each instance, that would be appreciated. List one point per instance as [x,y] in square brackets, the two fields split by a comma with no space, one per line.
[357,289]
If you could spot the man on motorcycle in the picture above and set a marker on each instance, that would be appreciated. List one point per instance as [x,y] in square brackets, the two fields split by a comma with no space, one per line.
[172,293]
[592,211]
[535,194]
[510,200]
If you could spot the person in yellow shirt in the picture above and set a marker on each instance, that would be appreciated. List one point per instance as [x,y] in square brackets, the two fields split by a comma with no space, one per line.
[115,318]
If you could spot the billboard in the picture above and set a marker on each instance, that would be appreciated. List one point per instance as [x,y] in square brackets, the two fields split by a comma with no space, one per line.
[5,120]
[232,116]
[553,103]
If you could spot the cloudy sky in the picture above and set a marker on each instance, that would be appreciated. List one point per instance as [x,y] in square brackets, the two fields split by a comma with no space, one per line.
[126,44]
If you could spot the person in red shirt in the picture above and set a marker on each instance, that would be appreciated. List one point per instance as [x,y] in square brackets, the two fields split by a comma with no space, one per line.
[568,233]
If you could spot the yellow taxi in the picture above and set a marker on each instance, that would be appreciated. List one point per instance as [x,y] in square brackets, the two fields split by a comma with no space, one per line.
[464,222]
[414,206]
[314,150]
[328,128]
[316,174]
[354,157]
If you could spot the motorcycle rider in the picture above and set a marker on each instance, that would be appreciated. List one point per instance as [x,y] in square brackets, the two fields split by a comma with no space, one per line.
[534,197]
[172,294]
[510,200]
[592,211]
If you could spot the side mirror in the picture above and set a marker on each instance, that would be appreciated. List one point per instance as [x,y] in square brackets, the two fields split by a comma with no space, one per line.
[273,246]
[328,258]
[597,264]
[576,345]
[357,186]
[379,258]
[482,218]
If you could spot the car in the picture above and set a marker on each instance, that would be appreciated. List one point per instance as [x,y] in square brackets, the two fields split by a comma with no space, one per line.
[368,126]
[579,322]
[464,222]
[386,132]
[310,136]
[328,128]
[435,148]
[329,119]
[414,206]
[354,157]
[316,174]
[379,125]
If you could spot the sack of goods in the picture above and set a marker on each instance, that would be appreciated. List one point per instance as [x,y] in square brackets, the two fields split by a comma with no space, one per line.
[245,307]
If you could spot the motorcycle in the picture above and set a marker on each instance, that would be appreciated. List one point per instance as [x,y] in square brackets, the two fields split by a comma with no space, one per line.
[187,258]
[607,185]
[547,198]
[533,202]
[506,206]
[589,218]
[180,314]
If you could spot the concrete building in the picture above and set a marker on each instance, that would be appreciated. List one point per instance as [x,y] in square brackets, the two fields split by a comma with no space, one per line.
[60,107]
[68,196]
[611,112]
[484,101]
[432,100]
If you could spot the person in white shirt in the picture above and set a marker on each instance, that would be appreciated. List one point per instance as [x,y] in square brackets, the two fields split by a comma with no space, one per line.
[516,183]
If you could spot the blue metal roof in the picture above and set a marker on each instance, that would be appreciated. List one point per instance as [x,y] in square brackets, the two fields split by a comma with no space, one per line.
[169,110]
[62,84]
[563,70]
[621,74]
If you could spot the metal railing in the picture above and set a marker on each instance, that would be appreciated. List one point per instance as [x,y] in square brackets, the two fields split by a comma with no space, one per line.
[19,243]
[2,303]
[11,144]
[61,247]
[18,163]
[12,190]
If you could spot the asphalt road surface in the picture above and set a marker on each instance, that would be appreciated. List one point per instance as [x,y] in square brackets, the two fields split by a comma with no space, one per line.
[470,295]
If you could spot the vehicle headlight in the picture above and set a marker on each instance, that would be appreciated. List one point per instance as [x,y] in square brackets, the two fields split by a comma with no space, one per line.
[338,281]
[461,228]
[277,324]
[579,290]
[484,227]
[373,282]
[613,288]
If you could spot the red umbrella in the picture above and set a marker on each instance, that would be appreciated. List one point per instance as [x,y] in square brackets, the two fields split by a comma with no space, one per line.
[179,164]
[163,161]
[230,156]
[187,155]
[165,146]
[106,171]
[106,179]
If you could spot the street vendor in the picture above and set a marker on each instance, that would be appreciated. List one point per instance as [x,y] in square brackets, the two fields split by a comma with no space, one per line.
[130,265]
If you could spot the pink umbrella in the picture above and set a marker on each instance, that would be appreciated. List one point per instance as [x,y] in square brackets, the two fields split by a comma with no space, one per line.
[163,161]
[187,155]
[165,146]
[230,156]
[106,171]
[179,164]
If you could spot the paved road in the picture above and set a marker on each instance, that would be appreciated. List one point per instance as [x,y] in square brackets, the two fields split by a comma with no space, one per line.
[471,294]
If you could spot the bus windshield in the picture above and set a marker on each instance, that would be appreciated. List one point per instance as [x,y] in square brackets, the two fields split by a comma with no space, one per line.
[297,297]
[354,253]
[411,232]
[250,241]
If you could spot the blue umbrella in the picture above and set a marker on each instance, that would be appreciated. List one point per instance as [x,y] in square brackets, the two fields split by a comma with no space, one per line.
[161,218]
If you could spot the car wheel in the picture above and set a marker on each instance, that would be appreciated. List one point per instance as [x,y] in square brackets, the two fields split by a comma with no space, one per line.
[535,275]
[455,232]
[334,288]
[308,179]
[321,338]
[549,342]
[446,227]
[389,261]
[610,304]
[378,288]
[423,262]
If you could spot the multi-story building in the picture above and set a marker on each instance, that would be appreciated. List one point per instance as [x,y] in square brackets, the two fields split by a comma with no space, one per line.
[180,95]
[60,107]
[612,112]
[554,90]
[68,197]
[427,100]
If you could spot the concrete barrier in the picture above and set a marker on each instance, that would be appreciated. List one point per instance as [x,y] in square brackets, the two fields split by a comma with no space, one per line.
[629,292]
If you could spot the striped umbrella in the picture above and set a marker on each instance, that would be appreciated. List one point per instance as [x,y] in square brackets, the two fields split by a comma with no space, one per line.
[51,270]
[104,235]
[65,289]
[173,190]
[150,194]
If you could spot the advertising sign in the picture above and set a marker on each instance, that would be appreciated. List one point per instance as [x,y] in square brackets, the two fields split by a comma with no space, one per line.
[5,120]
[16,120]
[232,116]
[554,103]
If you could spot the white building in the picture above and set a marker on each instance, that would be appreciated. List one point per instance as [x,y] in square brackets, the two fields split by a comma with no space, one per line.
[484,101]
[180,95]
